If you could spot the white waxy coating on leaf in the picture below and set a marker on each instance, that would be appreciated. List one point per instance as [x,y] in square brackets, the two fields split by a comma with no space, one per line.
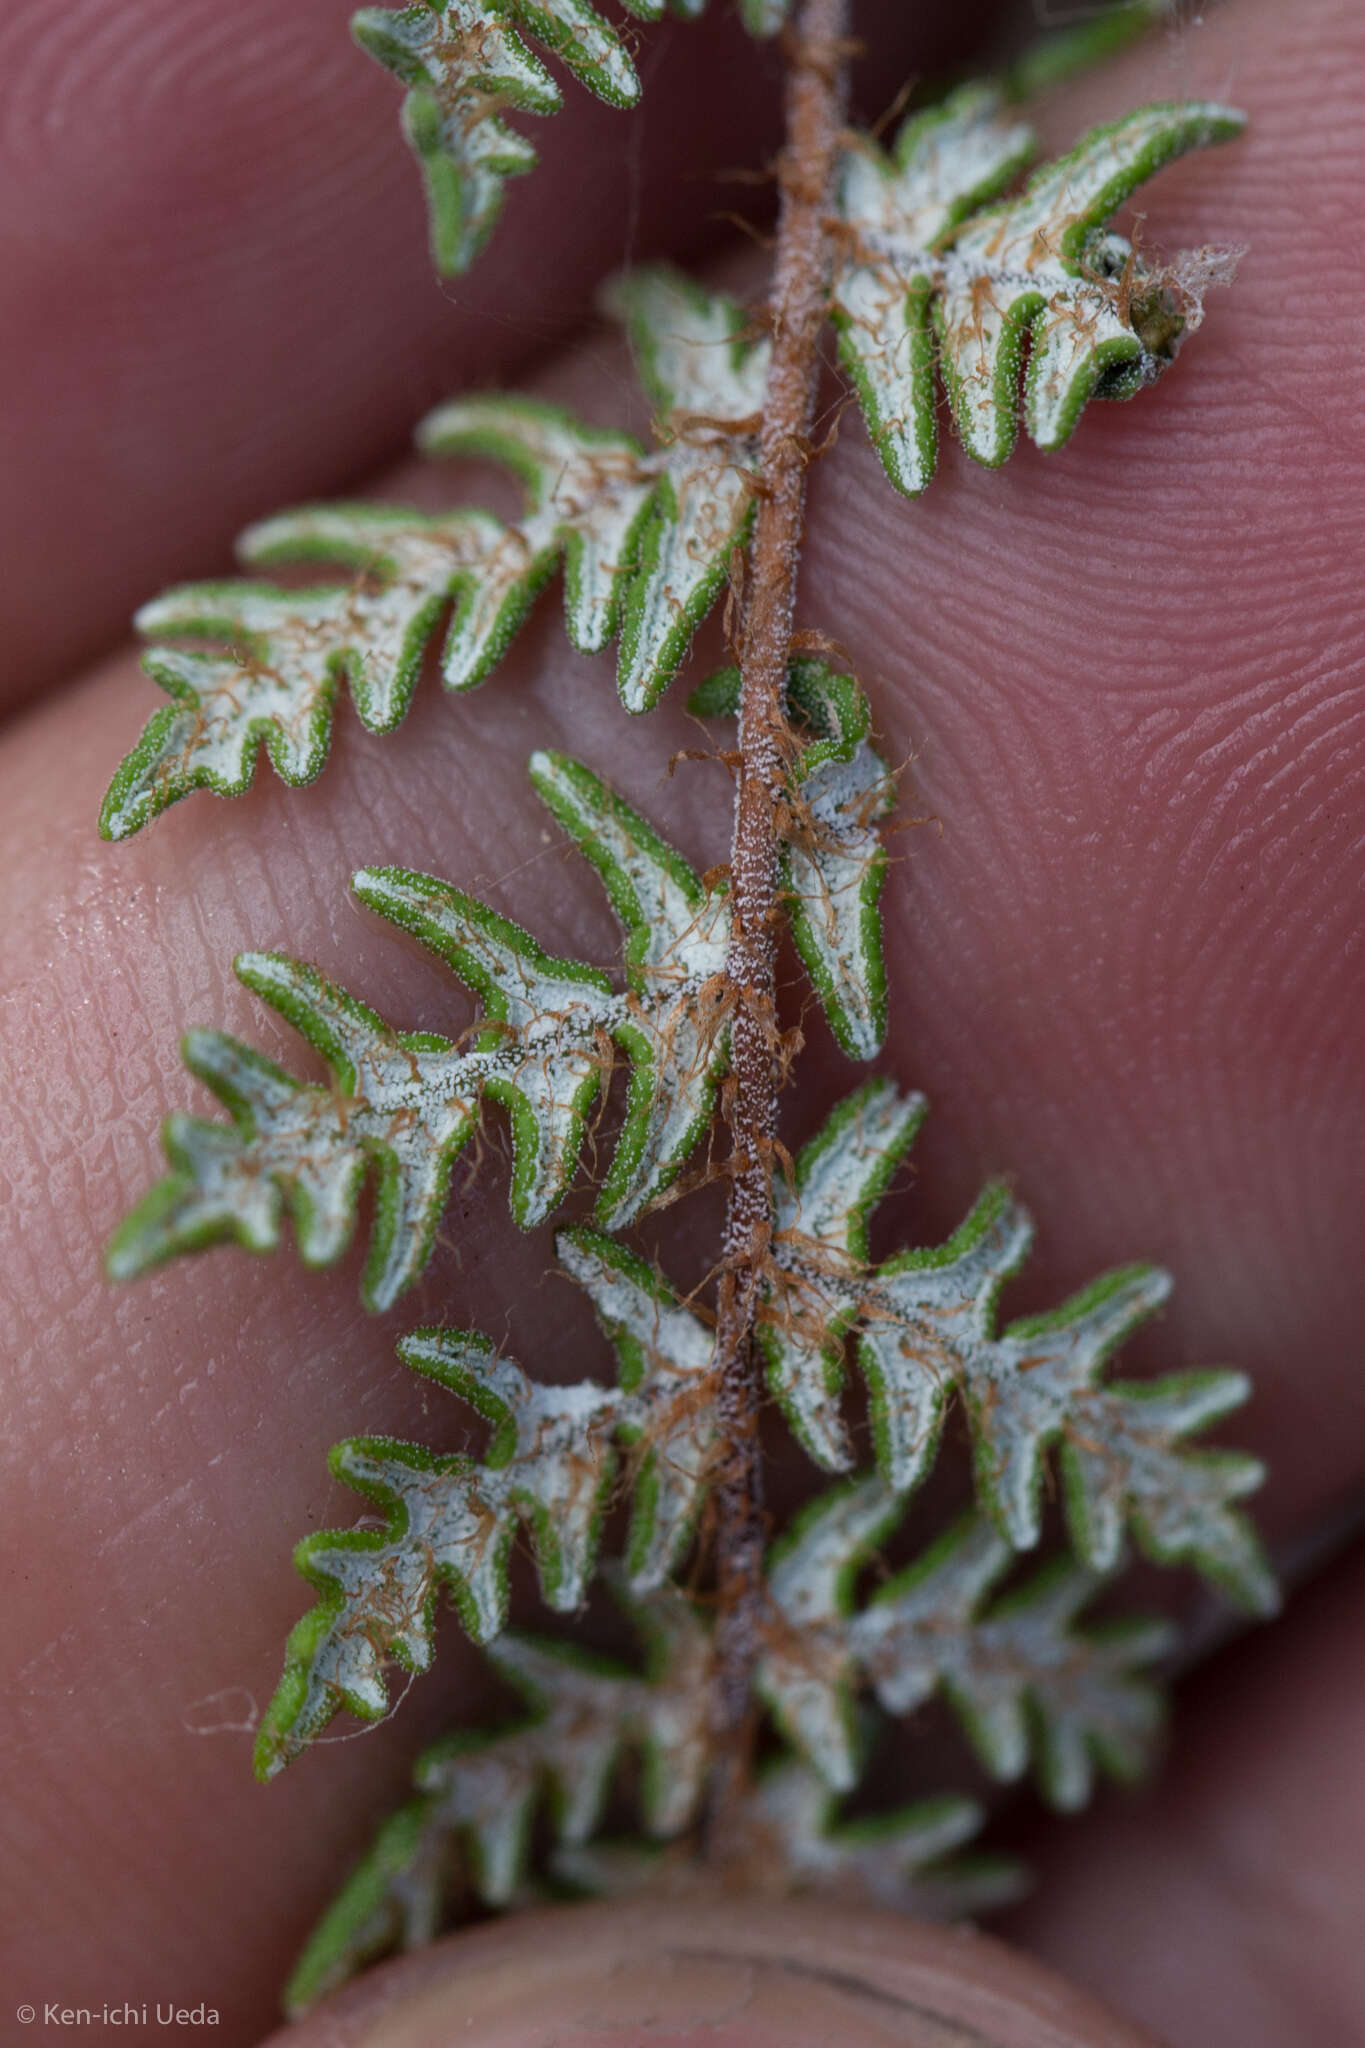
[925,1327]
[896,1860]
[690,346]
[787,1832]
[895,209]
[462,60]
[833,861]
[1024,1682]
[834,877]
[667,1025]
[1037,267]
[280,656]
[667,1406]
[1022,267]
[1022,1388]
[924,1631]
[542,1057]
[928,1325]
[707,384]
[407,1102]
[821,1239]
[1123,1462]
[402,1103]
[479,1792]
[451,1520]
[586,488]
[807,1673]
[646,542]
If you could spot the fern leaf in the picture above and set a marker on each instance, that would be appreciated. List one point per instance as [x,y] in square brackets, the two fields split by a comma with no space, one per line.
[462,60]
[925,1324]
[1036,251]
[896,209]
[451,1521]
[393,1899]
[1080,46]
[403,1103]
[665,1356]
[1038,268]
[648,537]
[764,17]
[925,1631]
[808,1675]
[794,1841]
[478,1795]
[1135,1465]
[1023,1681]
[587,489]
[902,1859]
[820,1235]
[278,656]
[646,542]
[833,860]
[669,1026]
[706,381]
[542,1052]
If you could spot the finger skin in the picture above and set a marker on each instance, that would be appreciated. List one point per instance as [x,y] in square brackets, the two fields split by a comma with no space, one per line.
[1124,970]
[732,1973]
[217,295]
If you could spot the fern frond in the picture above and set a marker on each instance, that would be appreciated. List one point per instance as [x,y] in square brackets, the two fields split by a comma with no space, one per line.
[666,1374]
[896,208]
[1082,44]
[646,540]
[463,60]
[925,1328]
[833,859]
[587,489]
[450,1521]
[468,1831]
[405,1103]
[902,1859]
[402,1103]
[706,380]
[662,527]
[789,1832]
[477,1795]
[277,657]
[927,273]
[647,537]
[671,1023]
[1025,1683]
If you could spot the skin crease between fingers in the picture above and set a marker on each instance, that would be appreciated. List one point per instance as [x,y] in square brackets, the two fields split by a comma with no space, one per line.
[1123,968]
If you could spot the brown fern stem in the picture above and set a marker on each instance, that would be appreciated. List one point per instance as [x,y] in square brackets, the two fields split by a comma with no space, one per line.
[815,113]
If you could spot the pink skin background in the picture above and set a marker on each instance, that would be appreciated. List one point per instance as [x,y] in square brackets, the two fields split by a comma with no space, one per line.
[1125,953]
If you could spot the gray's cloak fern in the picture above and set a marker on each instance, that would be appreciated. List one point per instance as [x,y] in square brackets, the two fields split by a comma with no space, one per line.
[931,268]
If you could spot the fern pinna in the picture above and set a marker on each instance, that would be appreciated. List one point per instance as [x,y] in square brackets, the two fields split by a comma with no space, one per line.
[767,1653]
